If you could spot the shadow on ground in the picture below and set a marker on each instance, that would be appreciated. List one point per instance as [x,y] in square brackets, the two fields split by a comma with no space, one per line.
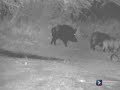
[12,54]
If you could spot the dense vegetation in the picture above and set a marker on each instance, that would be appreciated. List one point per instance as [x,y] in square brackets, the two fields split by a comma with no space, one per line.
[86,15]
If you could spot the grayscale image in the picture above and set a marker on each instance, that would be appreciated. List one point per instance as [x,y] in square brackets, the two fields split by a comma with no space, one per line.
[59,44]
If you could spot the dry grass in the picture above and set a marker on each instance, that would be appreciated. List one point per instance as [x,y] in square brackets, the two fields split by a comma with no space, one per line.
[85,29]
[32,33]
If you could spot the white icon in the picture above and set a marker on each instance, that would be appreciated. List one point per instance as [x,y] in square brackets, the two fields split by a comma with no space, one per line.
[99,82]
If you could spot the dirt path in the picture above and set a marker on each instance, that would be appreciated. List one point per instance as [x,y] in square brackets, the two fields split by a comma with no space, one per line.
[80,70]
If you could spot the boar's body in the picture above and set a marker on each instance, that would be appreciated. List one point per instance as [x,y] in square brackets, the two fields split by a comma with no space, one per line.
[63,32]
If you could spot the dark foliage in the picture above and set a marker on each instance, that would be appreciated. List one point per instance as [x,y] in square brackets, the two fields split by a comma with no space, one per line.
[4,10]
[109,10]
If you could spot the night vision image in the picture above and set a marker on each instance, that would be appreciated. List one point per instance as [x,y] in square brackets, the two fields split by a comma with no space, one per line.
[59,44]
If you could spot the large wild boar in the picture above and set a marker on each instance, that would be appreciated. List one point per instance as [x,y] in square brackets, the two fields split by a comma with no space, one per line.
[63,32]
[97,39]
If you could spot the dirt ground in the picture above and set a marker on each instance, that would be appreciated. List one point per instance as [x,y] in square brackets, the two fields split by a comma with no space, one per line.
[79,70]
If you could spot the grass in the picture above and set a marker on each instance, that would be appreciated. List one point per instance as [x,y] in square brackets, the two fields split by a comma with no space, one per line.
[111,27]
[32,31]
